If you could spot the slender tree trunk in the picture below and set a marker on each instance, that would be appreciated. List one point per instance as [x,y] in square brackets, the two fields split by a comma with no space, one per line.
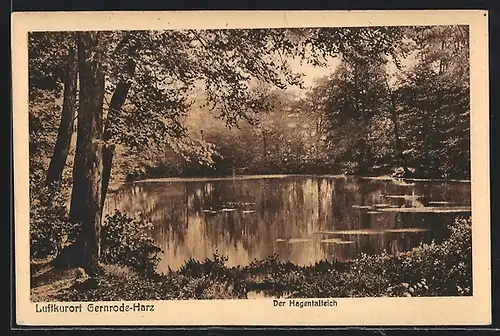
[442,63]
[87,170]
[360,156]
[397,139]
[264,143]
[117,101]
[437,136]
[115,107]
[426,134]
[61,149]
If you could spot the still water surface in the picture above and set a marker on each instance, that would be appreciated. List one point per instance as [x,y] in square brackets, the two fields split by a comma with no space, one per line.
[302,219]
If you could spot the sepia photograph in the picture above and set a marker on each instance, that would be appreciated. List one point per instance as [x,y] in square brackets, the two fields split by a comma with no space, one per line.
[286,165]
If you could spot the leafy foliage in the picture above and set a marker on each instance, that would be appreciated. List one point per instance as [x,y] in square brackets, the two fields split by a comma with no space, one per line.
[377,112]
[435,109]
[126,241]
[227,65]
[47,53]
[50,229]
[195,268]
[400,97]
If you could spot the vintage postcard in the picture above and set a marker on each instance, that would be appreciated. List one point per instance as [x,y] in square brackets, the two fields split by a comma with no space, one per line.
[251,168]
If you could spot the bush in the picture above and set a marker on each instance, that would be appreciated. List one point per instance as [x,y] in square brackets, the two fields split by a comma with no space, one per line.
[216,267]
[50,229]
[126,241]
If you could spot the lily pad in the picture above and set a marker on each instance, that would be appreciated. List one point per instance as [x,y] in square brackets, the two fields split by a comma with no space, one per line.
[403,230]
[403,183]
[353,232]
[361,206]
[382,205]
[228,210]
[248,211]
[336,241]
[429,209]
[298,240]
[373,212]
[279,240]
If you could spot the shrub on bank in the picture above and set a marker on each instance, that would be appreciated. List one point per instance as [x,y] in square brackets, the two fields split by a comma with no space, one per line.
[49,225]
[127,241]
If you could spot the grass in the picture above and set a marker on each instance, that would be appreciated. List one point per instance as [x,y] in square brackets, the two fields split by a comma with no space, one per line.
[443,269]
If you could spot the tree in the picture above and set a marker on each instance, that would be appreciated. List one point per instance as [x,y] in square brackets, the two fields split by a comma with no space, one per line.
[393,110]
[87,172]
[379,111]
[353,95]
[52,68]
[66,124]
[435,102]
[128,46]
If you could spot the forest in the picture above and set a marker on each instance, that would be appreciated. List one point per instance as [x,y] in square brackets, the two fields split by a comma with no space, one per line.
[107,107]
[368,116]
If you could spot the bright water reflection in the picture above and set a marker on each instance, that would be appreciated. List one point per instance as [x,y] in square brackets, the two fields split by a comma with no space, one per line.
[291,216]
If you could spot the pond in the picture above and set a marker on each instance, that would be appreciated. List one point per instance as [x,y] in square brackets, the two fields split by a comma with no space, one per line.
[302,219]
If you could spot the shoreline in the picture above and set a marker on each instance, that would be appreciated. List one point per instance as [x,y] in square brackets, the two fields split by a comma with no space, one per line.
[177,179]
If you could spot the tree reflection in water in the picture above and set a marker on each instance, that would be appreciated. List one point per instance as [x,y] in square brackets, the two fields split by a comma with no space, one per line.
[254,218]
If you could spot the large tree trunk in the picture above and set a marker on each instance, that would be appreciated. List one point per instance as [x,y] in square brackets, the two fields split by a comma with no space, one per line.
[87,170]
[91,230]
[115,107]
[61,149]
